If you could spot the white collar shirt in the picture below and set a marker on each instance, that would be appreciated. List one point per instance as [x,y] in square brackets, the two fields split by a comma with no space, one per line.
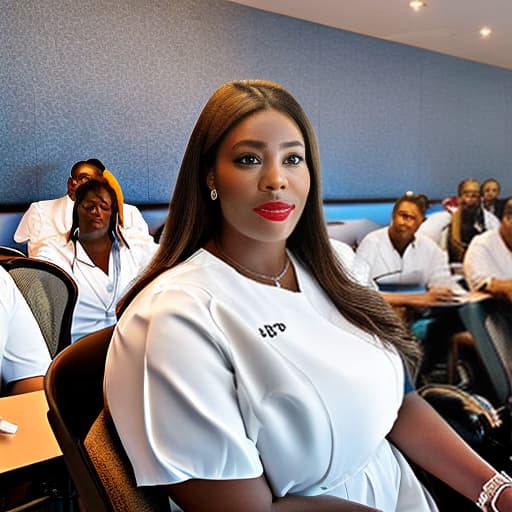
[422,263]
[437,226]
[98,292]
[487,256]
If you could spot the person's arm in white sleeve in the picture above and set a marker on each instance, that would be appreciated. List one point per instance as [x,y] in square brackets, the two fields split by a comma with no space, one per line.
[25,356]
[480,272]
[477,263]
[29,228]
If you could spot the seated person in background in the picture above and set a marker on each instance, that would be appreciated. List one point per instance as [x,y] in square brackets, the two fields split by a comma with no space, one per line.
[453,230]
[98,255]
[238,374]
[53,218]
[488,260]
[397,255]
[24,356]
[490,190]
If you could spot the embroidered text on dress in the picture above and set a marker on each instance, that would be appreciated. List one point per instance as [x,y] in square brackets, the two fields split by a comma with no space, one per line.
[272,330]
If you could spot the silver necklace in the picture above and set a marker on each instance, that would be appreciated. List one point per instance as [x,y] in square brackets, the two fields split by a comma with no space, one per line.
[268,277]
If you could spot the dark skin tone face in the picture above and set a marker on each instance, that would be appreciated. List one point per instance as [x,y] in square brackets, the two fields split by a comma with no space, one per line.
[81,175]
[470,194]
[405,222]
[94,214]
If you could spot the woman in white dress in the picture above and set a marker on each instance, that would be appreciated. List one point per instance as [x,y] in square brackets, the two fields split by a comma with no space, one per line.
[248,371]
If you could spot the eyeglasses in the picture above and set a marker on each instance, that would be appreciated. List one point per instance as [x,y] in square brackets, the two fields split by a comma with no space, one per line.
[80,179]
[89,208]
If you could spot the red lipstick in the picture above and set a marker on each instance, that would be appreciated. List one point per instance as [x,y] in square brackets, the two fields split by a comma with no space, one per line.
[275,210]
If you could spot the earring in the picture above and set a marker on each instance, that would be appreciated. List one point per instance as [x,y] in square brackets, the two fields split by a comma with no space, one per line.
[213,194]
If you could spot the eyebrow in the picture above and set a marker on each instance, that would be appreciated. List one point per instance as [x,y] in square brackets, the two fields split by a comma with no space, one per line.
[256,144]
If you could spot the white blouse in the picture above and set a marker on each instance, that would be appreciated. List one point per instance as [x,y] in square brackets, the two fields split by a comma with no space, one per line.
[212,375]
[98,292]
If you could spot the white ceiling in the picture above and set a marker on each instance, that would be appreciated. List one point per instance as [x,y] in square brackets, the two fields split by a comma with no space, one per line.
[445,26]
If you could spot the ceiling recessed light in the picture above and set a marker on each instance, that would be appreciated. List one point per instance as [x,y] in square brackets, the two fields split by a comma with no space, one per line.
[417,4]
[485,32]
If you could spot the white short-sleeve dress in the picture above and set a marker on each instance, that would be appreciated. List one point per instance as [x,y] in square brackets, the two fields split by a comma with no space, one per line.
[212,375]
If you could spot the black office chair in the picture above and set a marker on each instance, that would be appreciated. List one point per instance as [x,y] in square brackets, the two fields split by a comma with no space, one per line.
[87,437]
[490,323]
[51,295]
[10,252]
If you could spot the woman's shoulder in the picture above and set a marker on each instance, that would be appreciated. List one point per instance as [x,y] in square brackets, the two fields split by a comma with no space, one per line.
[57,250]
[200,270]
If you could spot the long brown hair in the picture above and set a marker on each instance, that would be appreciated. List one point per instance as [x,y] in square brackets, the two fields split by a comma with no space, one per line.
[194,219]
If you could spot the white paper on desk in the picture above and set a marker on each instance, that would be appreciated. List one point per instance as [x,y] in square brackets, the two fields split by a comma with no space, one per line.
[7,427]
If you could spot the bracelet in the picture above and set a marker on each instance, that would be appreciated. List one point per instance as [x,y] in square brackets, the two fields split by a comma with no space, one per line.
[491,491]
[497,494]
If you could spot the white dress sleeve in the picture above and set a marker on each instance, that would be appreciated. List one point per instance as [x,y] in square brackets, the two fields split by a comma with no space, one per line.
[23,351]
[175,427]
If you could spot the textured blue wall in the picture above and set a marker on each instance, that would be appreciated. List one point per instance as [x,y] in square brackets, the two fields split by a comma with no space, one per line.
[124,82]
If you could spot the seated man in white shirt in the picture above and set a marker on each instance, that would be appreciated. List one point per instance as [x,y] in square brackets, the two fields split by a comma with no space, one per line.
[400,258]
[451,229]
[488,260]
[397,255]
[52,218]
[24,356]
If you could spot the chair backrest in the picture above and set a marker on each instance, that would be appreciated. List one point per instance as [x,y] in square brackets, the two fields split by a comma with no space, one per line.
[74,390]
[10,252]
[51,295]
[490,323]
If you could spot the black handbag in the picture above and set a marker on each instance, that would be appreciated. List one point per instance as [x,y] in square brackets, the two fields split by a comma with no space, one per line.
[484,427]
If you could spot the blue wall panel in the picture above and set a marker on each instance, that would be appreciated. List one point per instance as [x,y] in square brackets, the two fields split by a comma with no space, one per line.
[125,81]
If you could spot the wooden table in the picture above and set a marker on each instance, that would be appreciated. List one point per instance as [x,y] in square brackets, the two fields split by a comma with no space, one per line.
[34,441]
